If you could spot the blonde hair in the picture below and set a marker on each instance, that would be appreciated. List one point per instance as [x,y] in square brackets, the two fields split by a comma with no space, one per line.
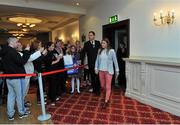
[69,49]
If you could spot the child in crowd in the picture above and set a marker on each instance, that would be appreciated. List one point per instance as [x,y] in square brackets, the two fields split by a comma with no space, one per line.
[76,75]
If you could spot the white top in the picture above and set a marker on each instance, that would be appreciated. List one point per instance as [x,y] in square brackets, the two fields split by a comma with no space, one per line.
[103,64]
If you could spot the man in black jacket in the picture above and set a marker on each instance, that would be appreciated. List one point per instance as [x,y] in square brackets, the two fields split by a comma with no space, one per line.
[91,48]
[13,63]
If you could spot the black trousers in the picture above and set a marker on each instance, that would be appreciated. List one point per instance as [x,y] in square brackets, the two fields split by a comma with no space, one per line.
[3,91]
[122,76]
[53,87]
[63,77]
[86,74]
[61,86]
[1,84]
[122,81]
[95,82]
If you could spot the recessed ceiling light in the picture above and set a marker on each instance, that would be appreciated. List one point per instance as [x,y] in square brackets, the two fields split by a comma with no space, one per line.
[77,4]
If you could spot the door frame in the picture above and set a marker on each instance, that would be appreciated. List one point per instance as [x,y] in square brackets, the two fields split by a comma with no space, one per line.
[116,26]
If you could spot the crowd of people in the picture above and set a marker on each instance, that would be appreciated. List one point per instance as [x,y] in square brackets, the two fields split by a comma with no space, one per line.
[39,57]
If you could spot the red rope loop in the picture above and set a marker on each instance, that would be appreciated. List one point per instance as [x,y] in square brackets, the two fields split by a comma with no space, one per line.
[43,74]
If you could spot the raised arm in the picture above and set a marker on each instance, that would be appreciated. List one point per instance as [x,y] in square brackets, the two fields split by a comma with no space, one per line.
[34,56]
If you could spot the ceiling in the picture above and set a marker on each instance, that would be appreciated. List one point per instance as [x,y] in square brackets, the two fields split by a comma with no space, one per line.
[51,19]
[86,4]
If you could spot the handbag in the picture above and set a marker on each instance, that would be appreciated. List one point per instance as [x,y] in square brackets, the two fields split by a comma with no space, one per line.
[68,63]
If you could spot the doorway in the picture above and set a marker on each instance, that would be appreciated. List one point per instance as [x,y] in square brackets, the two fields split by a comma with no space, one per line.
[118,33]
[119,36]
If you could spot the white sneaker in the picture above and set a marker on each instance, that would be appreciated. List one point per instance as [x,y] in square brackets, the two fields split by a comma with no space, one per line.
[52,104]
[90,90]
[57,99]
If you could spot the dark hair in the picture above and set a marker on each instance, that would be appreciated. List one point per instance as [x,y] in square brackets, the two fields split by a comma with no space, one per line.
[92,32]
[108,45]
[49,44]
[35,44]
[58,41]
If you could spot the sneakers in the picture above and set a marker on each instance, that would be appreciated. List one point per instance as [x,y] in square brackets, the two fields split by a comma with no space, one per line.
[39,102]
[23,115]
[57,99]
[27,108]
[90,90]
[52,104]
[10,118]
[27,104]
[20,116]
[27,112]
[71,92]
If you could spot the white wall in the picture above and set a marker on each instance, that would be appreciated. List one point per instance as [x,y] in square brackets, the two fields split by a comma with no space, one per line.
[145,38]
[44,5]
[69,32]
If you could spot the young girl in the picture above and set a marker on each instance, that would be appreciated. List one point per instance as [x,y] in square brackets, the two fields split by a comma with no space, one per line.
[104,66]
[75,76]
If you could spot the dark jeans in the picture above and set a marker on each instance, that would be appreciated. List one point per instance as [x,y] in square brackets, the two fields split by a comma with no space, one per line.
[95,82]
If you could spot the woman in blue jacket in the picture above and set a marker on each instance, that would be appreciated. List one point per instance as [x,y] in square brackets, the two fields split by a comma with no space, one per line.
[104,67]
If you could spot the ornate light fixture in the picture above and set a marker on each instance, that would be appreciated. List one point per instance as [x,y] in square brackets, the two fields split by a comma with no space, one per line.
[25,23]
[17,34]
[164,19]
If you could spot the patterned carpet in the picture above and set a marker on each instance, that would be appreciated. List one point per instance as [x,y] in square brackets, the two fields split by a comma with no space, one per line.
[86,109]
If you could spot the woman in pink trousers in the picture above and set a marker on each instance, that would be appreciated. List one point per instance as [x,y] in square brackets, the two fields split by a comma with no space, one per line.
[104,67]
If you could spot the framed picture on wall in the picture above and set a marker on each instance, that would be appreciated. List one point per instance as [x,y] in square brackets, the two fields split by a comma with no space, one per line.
[83,37]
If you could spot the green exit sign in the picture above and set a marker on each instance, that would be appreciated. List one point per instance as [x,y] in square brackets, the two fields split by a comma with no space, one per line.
[113,19]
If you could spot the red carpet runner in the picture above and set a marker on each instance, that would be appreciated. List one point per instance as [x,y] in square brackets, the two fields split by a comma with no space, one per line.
[86,109]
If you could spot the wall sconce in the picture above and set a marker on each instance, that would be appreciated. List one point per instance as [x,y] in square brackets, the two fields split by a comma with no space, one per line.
[164,19]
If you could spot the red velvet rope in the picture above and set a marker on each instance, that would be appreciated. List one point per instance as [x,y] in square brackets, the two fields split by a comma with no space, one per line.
[61,70]
[16,75]
[43,74]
